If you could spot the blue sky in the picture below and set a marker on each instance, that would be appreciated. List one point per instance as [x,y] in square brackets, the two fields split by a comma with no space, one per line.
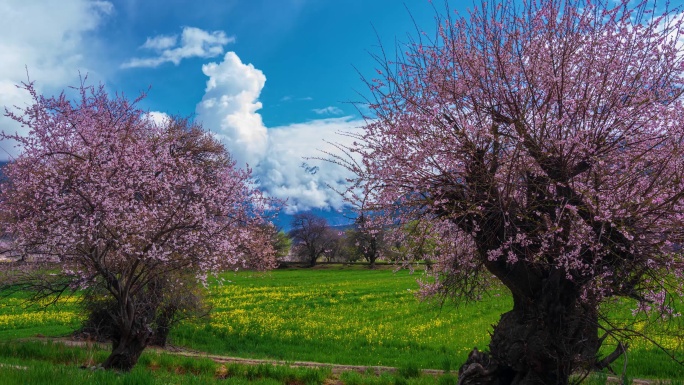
[272,78]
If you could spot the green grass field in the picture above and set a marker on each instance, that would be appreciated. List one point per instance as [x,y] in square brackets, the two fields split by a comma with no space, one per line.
[333,315]
[55,364]
[359,317]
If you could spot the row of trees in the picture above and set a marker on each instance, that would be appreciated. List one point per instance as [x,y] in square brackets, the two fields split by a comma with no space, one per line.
[313,238]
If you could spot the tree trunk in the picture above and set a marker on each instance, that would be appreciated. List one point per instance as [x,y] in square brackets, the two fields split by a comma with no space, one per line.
[313,258]
[371,262]
[163,323]
[541,341]
[127,348]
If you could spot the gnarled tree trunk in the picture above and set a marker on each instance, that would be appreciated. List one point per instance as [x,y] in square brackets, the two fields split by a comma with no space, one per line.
[163,323]
[541,341]
[127,347]
[133,330]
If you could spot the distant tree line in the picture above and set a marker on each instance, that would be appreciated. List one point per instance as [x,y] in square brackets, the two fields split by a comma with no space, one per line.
[314,240]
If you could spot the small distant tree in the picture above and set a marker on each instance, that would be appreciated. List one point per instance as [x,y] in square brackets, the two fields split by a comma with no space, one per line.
[541,143]
[128,207]
[281,243]
[417,242]
[367,239]
[348,252]
[311,237]
[336,251]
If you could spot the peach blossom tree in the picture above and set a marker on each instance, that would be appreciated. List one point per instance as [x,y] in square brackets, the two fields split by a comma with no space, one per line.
[538,144]
[127,206]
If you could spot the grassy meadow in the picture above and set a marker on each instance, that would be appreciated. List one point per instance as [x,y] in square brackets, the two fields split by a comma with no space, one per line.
[357,317]
[332,314]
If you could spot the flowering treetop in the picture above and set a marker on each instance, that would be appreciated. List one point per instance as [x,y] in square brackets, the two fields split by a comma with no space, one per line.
[534,138]
[109,191]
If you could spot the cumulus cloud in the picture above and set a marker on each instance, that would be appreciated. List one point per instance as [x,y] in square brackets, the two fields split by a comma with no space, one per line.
[159,118]
[330,110]
[229,107]
[277,155]
[194,42]
[288,170]
[52,41]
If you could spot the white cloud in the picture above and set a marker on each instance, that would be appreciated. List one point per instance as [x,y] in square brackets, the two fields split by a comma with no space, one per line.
[289,98]
[194,42]
[230,109]
[160,43]
[330,110]
[285,171]
[52,41]
[159,118]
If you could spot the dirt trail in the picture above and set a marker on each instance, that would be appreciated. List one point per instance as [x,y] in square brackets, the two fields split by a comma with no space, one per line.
[335,368]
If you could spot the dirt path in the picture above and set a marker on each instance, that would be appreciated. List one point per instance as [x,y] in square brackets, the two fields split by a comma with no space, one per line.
[335,368]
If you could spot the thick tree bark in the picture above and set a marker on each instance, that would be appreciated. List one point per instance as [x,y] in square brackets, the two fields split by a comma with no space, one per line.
[163,323]
[541,341]
[133,333]
[126,349]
